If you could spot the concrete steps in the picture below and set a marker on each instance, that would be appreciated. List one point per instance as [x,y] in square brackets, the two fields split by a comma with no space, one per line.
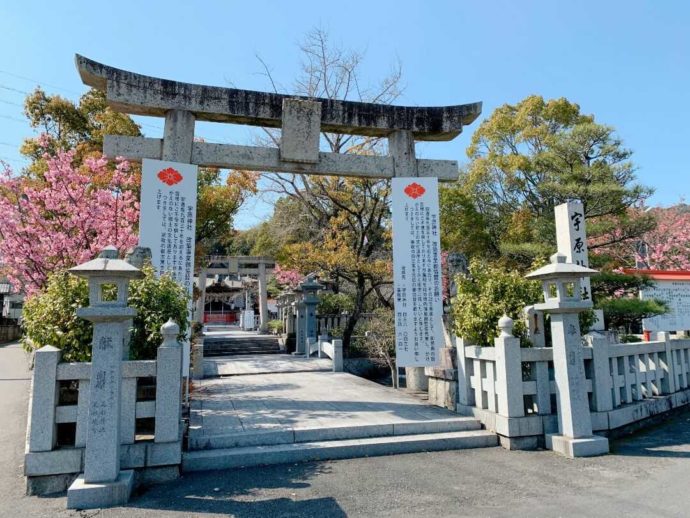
[200,439]
[244,345]
[334,449]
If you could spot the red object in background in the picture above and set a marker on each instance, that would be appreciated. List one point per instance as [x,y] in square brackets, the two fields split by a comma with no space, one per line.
[647,335]
[219,318]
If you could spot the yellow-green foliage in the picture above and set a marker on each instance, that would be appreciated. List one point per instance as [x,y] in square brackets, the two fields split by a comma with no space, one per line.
[487,294]
[50,317]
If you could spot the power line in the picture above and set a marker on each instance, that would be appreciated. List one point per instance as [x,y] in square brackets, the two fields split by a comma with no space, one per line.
[9,117]
[5,87]
[11,103]
[24,78]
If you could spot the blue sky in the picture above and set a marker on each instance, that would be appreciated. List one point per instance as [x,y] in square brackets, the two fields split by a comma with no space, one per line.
[627,62]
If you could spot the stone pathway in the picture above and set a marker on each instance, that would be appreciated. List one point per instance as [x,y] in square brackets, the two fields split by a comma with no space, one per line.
[263,364]
[301,400]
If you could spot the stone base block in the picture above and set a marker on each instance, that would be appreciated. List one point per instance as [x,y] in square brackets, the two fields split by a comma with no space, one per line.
[533,442]
[580,447]
[82,495]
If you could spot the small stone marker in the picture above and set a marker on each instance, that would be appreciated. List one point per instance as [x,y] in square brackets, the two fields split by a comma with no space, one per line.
[103,484]
[571,238]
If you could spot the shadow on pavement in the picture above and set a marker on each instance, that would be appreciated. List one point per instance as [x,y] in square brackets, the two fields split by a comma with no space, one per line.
[254,492]
[670,438]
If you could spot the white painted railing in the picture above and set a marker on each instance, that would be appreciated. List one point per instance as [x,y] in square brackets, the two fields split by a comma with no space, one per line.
[512,389]
[57,429]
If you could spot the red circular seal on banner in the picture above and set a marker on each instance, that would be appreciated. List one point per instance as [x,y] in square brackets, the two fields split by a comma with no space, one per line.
[170,176]
[414,190]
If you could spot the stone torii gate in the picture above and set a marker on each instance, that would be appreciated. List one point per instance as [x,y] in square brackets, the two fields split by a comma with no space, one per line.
[243,265]
[301,120]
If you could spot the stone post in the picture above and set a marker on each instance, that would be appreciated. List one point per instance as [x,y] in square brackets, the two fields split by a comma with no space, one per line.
[465,394]
[201,301]
[337,355]
[563,300]
[103,484]
[168,385]
[603,400]
[508,371]
[44,397]
[669,383]
[263,298]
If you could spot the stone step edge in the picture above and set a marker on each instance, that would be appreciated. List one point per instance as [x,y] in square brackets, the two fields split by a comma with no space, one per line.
[333,450]
[202,442]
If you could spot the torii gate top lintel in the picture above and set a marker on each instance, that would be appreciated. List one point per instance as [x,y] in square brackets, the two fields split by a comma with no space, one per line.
[144,95]
[301,121]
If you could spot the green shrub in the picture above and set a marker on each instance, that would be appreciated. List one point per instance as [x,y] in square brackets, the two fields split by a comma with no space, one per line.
[275,326]
[486,295]
[50,317]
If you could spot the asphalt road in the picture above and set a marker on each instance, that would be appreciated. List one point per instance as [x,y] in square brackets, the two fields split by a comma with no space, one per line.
[646,475]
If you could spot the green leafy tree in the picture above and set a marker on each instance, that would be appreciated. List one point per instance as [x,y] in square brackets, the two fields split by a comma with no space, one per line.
[67,125]
[50,317]
[335,304]
[529,157]
[617,295]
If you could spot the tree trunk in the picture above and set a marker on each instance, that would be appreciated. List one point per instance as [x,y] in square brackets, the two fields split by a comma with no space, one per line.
[356,313]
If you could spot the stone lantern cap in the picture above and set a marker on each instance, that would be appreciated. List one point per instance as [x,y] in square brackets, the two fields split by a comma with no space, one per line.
[107,265]
[311,284]
[560,269]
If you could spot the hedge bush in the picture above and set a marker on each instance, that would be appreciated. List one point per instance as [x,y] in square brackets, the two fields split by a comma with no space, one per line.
[50,317]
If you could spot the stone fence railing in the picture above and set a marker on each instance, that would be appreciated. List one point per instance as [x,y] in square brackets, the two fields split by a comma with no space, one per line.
[333,349]
[512,389]
[150,426]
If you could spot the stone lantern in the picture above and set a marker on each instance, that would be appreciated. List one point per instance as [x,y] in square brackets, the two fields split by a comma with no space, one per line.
[561,283]
[306,314]
[103,484]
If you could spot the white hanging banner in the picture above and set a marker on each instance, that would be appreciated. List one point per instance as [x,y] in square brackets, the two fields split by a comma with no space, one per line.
[167,221]
[571,238]
[417,271]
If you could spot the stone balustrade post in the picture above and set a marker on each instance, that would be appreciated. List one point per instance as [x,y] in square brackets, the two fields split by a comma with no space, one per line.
[322,339]
[508,371]
[168,385]
[337,355]
[44,398]
[601,371]
[465,394]
[669,383]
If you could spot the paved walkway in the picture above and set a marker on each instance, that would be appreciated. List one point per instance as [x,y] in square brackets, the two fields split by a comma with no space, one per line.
[645,475]
[263,364]
[301,400]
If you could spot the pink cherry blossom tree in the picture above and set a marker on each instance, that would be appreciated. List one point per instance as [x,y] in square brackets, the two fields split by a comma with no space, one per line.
[668,245]
[290,279]
[65,218]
